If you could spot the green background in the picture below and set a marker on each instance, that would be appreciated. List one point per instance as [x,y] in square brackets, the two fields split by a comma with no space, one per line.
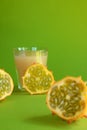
[58,25]
[27,112]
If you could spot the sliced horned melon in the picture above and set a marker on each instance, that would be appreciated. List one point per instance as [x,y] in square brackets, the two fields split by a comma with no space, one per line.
[68,98]
[37,79]
[6,84]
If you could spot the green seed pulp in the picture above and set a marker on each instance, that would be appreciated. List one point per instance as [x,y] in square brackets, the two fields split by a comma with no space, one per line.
[69,104]
[5,85]
[38,79]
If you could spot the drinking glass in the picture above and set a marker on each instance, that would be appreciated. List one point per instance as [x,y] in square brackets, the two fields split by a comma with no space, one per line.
[24,57]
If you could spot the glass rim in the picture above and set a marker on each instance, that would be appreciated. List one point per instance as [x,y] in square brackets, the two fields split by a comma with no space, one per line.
[30,49]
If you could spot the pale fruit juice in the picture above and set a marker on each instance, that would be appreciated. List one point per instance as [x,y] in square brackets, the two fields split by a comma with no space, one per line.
[23,61]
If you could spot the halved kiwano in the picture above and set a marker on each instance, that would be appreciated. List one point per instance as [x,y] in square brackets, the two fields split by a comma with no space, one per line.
[37,79]
[6,84]
[68,98]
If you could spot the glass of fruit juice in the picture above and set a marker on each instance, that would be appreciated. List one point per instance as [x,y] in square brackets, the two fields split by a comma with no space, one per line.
[24,57]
